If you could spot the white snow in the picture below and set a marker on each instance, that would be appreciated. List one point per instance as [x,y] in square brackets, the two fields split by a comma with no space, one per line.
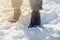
[50,17]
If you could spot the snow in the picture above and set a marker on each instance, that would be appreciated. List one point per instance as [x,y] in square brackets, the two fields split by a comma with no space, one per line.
[50,17]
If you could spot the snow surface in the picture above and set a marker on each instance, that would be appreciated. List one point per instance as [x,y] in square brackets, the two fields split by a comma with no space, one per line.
[50,16]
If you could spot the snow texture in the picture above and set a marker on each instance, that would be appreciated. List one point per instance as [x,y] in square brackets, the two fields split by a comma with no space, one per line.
[50,17]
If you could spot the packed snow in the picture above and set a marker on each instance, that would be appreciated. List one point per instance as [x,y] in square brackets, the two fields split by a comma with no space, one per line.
[50,18]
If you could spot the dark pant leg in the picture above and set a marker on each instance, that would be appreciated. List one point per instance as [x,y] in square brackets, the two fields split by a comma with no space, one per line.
[36,5]
[35,18]
[38,19]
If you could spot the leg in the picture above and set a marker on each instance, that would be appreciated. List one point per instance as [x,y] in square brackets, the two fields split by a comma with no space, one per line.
[35,19]
[35,16]
[17,10]
[17,13]
[38,19]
